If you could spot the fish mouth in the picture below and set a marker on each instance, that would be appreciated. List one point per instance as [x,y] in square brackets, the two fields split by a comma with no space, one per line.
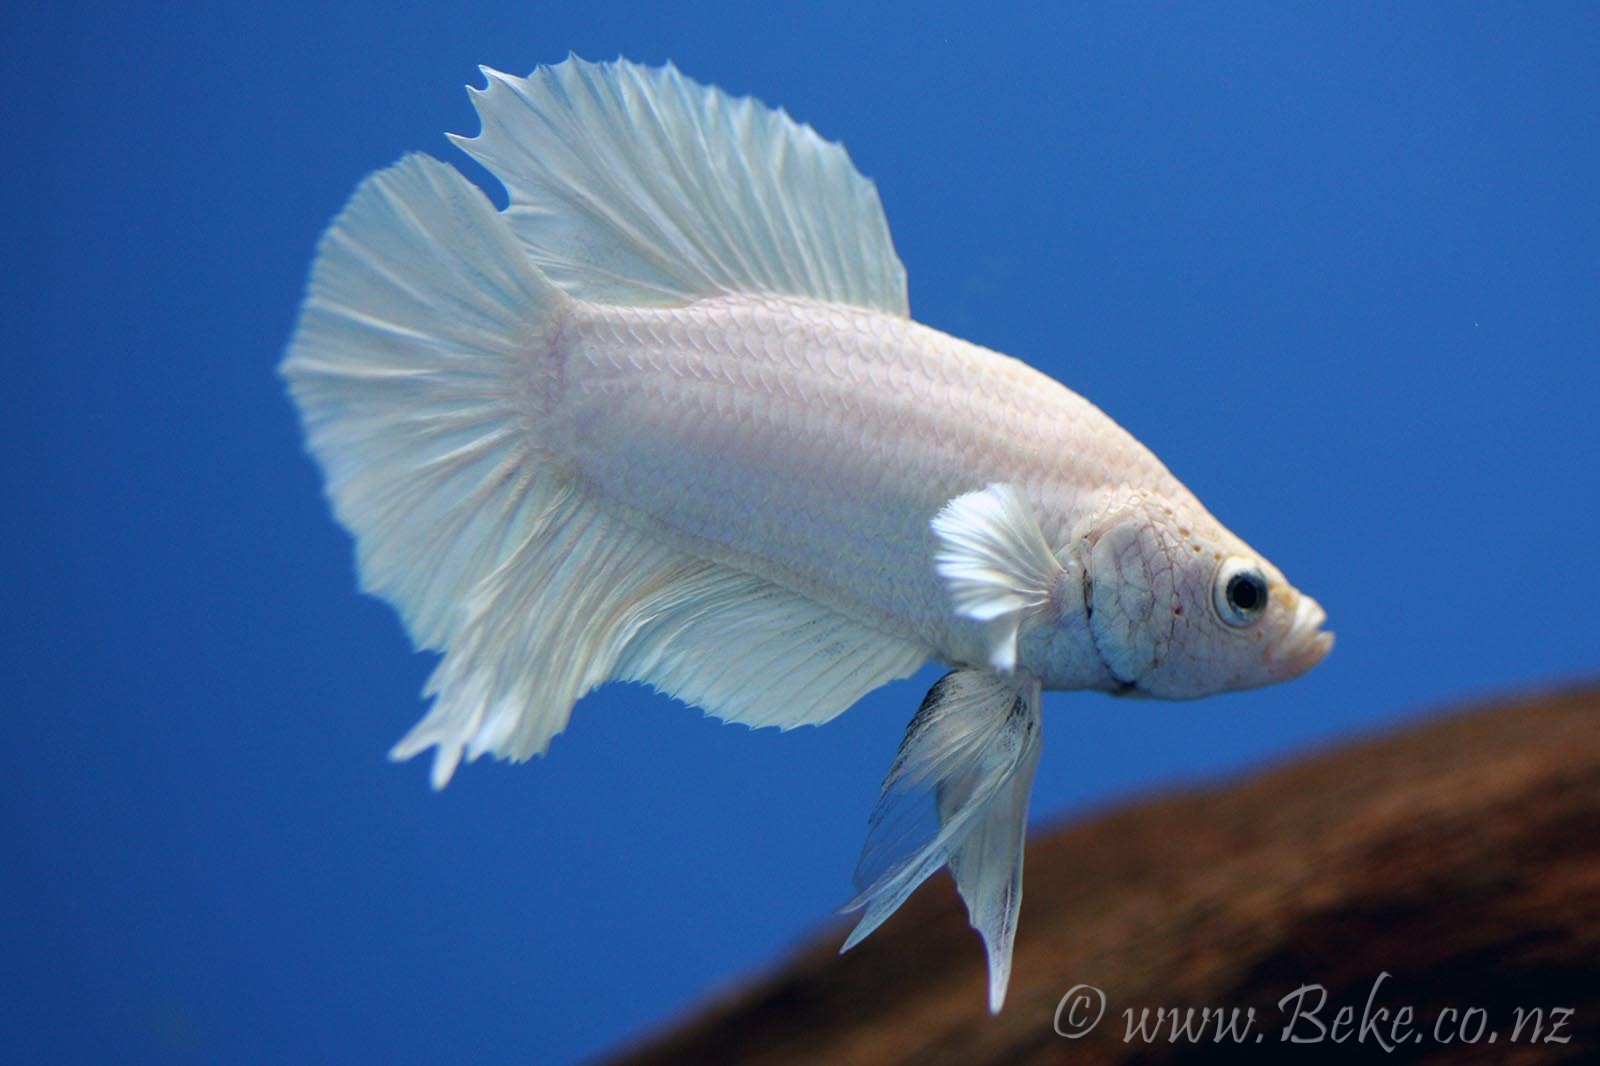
[1306,644]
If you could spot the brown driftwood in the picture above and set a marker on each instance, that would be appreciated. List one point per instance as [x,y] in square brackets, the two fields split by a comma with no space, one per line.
[1461,857]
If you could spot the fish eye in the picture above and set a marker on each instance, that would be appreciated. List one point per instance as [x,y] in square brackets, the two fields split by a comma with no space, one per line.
[1240,592]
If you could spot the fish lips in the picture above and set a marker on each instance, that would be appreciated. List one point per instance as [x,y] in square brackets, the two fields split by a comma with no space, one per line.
[1305,644]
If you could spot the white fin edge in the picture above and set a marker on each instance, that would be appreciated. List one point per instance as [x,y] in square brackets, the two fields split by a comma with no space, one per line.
[636,185]
[995,563]
[972,746]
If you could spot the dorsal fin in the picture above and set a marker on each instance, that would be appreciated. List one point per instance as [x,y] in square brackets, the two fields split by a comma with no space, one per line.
[636,185]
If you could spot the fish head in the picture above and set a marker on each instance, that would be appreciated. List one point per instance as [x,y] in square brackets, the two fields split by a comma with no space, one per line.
[1180,608]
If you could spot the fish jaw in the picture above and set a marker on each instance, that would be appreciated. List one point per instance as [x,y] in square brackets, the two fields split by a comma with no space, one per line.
[1305,644]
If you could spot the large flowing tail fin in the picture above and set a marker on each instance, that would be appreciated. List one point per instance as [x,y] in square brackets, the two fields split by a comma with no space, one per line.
[420,364]
[415,366]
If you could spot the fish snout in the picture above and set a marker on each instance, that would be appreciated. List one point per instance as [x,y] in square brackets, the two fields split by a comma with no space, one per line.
[1305,644]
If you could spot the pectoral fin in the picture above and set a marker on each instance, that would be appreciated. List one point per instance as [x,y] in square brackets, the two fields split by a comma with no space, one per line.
[996,563]
[971,750]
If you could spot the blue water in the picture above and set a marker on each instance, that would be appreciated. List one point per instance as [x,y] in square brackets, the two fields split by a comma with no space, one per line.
[1340,267]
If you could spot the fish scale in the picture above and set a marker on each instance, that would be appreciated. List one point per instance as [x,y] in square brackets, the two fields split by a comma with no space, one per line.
[845,510]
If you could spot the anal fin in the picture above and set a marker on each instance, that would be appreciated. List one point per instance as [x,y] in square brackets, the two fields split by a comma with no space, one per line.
[586,598]
[751,652]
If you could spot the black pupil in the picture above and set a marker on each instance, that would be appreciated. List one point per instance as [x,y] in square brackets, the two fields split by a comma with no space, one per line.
[1245,592]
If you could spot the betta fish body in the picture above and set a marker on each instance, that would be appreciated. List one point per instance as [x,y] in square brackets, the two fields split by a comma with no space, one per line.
[666,419]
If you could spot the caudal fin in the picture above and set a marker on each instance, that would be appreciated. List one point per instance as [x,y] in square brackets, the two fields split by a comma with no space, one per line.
[410,366]
[417,366]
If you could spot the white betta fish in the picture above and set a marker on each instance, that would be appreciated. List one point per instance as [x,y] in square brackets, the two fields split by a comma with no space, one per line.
[666,419]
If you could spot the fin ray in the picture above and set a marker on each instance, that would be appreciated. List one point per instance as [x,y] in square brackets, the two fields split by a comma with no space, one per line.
[987,866]
[751,652]
[403,364]
[995,563]
[636,185]
[972,747]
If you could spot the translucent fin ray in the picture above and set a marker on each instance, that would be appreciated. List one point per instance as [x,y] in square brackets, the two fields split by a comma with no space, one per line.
[636,185]
[422,308]
[995,563]
[957,794]
[987,865]
[750,652]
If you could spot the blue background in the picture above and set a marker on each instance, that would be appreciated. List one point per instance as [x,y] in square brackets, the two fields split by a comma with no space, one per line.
[1339,267]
